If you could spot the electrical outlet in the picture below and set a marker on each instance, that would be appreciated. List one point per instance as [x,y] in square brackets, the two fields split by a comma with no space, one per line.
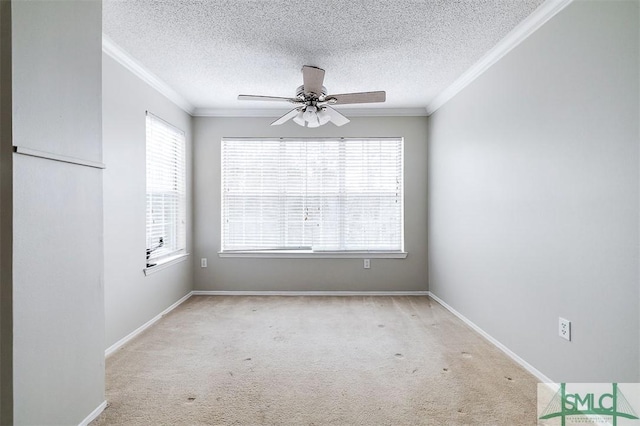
[203,262]
[564,328]
[367,263]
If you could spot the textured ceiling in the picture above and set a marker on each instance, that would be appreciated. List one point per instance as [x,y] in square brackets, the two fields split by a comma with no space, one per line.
[210,51]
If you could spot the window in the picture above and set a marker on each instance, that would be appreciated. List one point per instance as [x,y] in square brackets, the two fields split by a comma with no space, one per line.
[312,195]
[166,204]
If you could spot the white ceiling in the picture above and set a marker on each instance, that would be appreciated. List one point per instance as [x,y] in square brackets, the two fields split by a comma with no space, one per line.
[210,51]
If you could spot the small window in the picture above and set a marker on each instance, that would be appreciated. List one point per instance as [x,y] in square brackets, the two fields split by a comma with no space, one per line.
[166,201]
[312,195]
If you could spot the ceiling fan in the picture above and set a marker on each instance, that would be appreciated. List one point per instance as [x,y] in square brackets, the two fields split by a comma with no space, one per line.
[313,105]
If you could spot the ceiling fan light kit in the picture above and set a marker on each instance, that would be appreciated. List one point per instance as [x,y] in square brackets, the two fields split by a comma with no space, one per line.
[312,102]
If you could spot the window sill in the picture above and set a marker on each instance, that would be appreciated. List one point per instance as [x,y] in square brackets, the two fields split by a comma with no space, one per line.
[165,263]
[285,254]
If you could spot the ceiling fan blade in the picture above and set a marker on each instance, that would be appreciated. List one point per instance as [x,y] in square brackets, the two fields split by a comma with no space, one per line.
[313,78]
[267,98]
[358,98]
[288,116]
[336,118]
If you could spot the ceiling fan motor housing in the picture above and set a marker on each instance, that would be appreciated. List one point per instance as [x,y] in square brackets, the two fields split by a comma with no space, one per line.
[310,95]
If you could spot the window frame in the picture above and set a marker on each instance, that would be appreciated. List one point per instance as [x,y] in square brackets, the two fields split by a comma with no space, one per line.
[309,253]
[179,252]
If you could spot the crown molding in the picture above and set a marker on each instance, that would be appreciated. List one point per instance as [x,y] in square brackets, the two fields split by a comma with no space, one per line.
[539,17]
[385,112]
[121,56]
[274,113]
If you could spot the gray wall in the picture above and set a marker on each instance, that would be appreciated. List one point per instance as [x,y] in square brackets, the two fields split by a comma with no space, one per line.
[533,203]
[247,274]
[58,302]
[6,220]
[131,298]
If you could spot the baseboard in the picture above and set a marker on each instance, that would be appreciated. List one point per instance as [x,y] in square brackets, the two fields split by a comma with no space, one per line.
[94,414]
[531,369]
[111,349]
[307,293]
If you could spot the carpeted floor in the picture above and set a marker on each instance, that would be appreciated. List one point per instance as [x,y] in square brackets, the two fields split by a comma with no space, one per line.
[244,360]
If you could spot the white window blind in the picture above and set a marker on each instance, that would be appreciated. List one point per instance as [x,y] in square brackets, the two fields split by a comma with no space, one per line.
[166,202]
[312,194]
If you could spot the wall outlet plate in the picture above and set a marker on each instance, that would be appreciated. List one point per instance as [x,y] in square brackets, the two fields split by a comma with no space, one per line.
[367,263]
[203,262]
[564,328]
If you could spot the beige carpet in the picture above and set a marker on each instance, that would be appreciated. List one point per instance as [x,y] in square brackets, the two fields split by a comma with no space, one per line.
[240,360]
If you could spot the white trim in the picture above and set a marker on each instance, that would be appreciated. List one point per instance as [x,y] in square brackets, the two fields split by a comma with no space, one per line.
[94,414]
[307,293]
[111,349]
[126,60]
[539,17]
[281,138]
[524,29]
[56,157]
[164,263]
[284,254]
[531,369]
[273,113]
[383,112]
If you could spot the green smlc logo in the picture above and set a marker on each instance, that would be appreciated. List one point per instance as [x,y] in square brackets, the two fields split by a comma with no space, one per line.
[612,405]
